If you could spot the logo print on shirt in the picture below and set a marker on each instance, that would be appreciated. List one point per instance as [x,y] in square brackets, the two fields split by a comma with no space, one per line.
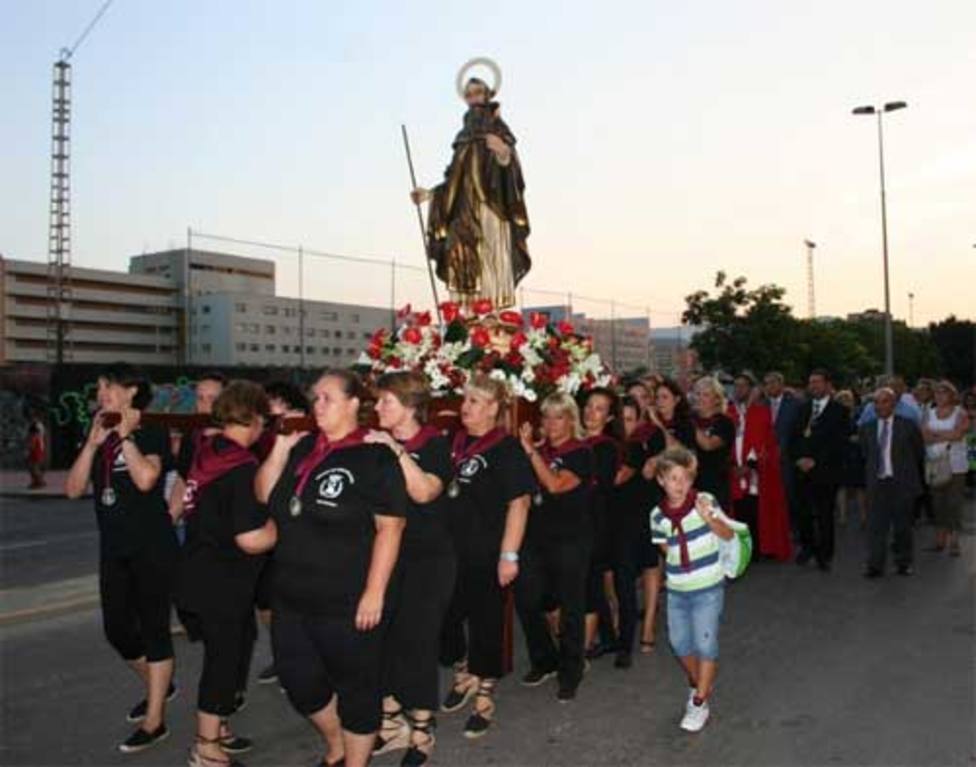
[332,484]
[471,467]
[119,464]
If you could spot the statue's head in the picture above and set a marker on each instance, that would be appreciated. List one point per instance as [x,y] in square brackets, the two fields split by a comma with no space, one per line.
[477,92]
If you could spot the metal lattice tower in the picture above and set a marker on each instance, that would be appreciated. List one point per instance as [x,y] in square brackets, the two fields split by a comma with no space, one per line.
[811,297]
[59,217]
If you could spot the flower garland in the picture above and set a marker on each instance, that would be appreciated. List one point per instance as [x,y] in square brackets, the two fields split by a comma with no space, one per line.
[535,359]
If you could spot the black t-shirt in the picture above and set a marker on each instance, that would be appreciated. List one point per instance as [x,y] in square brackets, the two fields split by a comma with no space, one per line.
[324,552]
[565,516]
[426,533]
[714,465]
[488,481]
[635,499]
[215,574]
[136,520]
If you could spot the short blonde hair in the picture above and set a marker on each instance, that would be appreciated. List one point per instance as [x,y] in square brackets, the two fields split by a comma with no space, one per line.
[711,384]
[949,387]
[676,457]
[559,402]
[845,397]
[491,387]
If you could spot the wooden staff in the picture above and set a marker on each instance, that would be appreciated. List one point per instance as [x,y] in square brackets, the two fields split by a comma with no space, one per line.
[423,228]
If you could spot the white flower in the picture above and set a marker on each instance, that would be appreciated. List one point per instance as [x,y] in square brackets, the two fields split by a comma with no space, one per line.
[365,359]
[498,375]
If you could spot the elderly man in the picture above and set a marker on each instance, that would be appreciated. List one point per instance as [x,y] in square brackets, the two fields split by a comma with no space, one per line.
[905,404]
[893,449]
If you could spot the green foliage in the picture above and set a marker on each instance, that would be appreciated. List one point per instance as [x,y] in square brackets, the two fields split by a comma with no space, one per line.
[955,342]
[753,330]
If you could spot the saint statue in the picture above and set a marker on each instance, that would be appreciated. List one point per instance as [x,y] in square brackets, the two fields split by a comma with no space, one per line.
[477,223]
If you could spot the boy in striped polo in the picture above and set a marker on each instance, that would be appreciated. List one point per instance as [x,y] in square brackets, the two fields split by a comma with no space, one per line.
[687,525]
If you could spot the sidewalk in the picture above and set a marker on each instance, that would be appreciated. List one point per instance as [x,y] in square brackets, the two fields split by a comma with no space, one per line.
[14,482]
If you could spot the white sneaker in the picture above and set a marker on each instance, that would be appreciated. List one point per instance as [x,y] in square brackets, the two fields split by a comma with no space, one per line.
[695,716]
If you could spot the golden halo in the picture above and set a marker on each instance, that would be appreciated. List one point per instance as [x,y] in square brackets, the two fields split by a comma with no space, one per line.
[479,61]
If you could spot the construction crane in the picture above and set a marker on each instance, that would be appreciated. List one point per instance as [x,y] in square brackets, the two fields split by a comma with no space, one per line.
[59,212]
[811,298]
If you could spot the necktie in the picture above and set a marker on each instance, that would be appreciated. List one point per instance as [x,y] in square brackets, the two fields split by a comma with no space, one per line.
[776,403]
[816,408]
[884,440]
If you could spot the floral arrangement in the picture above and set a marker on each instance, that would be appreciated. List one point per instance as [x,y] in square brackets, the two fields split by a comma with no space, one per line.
[534,358]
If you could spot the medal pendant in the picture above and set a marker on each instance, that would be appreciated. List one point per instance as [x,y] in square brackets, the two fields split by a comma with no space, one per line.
[295,506]
[537,499]
[453,489]
[108,497]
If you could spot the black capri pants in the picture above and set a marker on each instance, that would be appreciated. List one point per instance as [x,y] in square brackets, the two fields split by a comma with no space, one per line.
[136,595]
[318,656]
[411,650]
[480,602]
[228,642]
[559,568]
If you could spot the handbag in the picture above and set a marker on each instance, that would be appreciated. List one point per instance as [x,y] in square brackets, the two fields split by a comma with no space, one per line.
[938,468]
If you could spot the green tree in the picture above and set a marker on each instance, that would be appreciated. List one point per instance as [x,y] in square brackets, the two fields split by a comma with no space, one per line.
[955,343]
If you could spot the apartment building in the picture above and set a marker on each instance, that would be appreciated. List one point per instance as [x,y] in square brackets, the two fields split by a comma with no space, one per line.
[109,316]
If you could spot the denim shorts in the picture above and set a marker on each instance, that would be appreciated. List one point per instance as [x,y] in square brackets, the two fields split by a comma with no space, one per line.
[693,621]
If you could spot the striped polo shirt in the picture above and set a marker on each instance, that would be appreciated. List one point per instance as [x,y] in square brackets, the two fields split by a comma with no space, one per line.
[705,571]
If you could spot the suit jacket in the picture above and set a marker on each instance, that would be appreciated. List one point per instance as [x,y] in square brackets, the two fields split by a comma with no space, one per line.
[785,421]
[825,442]
[907,454]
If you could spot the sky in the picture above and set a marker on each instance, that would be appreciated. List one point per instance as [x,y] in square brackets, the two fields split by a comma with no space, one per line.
[660,141]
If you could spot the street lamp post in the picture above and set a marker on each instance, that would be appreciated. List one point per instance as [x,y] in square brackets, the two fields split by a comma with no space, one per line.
[911,310]
[891,106]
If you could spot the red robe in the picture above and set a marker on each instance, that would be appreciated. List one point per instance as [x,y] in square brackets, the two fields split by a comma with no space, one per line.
[760,437]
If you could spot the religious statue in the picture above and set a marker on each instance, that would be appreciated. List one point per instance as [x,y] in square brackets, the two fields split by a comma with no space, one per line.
[477,223]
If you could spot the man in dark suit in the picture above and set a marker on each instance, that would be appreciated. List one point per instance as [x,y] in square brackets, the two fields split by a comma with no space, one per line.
[893,450]
[785,409]
[817,450]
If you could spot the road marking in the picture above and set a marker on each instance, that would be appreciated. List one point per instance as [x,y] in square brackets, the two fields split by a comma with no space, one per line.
[31,544]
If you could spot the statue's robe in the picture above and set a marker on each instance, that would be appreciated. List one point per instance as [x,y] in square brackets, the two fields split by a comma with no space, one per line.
[478,225]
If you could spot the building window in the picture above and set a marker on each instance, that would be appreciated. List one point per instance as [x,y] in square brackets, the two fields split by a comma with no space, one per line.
[336,351]
[330,316]
[269,347]
[241,347]
[286,330]
[205,348]
[310,332]
[310,350]
[325,350]
[255,348]
[270,311]
[351,352]
[289,312]
[269,329]
[240,308]
[326,333]
[204,328]
[367,336]
[354,318]
[206,309]
[338,334]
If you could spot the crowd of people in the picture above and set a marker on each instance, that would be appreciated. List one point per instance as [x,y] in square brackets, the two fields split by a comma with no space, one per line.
[375,556]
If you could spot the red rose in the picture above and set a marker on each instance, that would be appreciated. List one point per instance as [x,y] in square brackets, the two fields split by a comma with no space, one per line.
[412,335]
[511,318]
[482,306]
[519,340]
[395,362]
[422,319]
[374,351]
[538,320]
[450,311]
[565,328]
[480,337]
[553,342]
[515,359]
[403,313]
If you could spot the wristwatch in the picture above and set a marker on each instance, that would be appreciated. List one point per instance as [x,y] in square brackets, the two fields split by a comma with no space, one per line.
[509,556]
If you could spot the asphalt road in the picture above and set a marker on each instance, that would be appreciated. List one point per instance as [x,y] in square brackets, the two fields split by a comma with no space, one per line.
[816,670]
[43,540]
